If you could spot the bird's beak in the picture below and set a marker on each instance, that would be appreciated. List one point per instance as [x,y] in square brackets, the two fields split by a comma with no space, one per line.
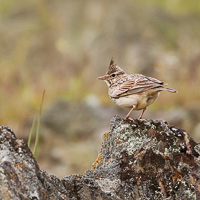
[105,77]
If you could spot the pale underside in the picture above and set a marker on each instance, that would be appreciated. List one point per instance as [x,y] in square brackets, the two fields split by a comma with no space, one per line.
[140,101]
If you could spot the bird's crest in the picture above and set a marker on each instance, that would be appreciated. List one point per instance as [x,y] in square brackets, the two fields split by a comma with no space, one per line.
[113,67]
[112,62]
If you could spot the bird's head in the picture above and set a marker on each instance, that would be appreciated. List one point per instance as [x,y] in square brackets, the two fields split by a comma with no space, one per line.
[113,74]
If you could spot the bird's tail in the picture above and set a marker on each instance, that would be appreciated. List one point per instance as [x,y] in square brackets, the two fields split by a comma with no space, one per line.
[169,90]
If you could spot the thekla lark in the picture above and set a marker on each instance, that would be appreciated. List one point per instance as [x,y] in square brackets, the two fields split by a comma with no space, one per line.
[134,91]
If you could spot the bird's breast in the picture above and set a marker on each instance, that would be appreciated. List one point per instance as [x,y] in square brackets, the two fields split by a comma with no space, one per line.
[140,100]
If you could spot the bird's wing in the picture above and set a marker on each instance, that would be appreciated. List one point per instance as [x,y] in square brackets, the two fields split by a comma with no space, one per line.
[135,84]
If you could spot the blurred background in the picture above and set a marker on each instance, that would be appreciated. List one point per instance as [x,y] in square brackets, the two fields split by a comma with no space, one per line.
[63,46]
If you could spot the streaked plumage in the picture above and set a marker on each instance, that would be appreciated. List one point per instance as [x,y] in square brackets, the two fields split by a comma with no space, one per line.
[134,91]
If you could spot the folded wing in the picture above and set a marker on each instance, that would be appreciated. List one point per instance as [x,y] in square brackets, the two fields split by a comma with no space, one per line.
[136,83]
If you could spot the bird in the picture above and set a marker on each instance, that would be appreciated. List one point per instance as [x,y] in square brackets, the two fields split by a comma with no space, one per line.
[133,91]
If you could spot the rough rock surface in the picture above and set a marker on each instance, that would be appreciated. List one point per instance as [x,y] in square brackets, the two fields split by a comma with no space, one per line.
[139,159]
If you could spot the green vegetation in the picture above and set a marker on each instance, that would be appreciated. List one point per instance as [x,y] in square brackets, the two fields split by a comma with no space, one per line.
[32,129]
[38,115]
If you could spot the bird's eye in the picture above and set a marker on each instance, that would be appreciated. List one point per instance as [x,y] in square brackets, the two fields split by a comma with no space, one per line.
[113,75]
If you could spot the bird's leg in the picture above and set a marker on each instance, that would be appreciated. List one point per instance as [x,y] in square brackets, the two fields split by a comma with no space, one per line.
[127,116]
[142,113]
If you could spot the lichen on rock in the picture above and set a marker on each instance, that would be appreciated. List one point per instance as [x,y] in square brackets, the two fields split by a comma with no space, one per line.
[150,159]
[139,159]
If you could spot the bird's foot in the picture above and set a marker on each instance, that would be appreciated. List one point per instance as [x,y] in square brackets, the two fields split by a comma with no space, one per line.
[128,118]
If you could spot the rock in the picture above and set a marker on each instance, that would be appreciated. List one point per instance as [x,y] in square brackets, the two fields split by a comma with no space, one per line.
[139,159]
